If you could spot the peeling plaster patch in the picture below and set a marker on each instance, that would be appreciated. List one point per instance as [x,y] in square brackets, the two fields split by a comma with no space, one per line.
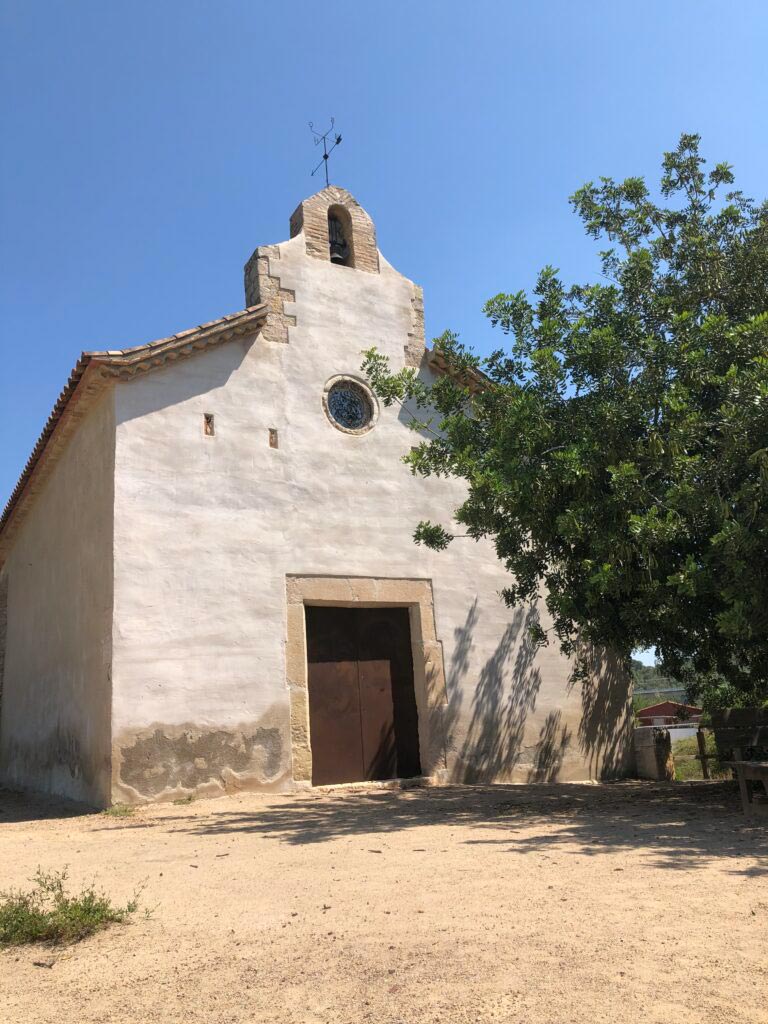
[169,759]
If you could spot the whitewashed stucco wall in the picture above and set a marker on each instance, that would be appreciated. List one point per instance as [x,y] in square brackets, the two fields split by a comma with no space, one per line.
[55,712]
[207,528]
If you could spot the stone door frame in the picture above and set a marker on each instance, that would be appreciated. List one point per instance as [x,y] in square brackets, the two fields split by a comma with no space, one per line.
[427,651]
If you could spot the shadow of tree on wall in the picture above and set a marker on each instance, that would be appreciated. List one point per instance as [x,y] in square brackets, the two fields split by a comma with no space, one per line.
[677,825]
[554,740]
[605,730]
[502,698]
[494,741]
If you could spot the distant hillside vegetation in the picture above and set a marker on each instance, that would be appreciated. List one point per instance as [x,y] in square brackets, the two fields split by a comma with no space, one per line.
[648,677]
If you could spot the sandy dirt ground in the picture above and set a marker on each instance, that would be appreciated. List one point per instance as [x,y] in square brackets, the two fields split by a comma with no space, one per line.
[569,904]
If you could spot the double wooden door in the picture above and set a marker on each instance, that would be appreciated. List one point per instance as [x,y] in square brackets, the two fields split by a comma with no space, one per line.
[362,707]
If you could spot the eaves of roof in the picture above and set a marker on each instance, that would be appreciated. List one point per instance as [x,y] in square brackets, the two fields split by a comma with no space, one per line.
[473,380]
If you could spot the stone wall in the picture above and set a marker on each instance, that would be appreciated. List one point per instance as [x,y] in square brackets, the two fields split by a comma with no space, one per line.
[653,754]
[262,284]
[310,220]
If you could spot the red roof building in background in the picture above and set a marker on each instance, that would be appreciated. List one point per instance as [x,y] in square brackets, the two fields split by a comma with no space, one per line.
[669,712]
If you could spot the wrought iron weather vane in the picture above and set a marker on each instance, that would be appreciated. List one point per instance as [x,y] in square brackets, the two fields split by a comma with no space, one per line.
[328,147]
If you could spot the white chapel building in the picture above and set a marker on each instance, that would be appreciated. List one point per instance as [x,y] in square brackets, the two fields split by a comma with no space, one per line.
[208,581]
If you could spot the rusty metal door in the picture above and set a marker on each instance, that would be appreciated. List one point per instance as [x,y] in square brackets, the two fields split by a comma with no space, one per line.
[362,708]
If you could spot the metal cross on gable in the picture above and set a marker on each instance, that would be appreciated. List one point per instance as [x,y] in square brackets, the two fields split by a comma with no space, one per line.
[324,139]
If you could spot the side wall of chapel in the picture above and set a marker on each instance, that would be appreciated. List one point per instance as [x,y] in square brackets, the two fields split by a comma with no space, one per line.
[55,649]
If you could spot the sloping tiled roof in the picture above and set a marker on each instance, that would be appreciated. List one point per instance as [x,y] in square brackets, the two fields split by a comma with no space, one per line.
[93,372]
[667,708]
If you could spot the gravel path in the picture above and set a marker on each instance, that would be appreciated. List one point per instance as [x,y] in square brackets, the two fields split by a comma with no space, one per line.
[530,904]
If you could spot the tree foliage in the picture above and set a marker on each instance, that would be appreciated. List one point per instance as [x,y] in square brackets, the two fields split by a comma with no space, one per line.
[650,677]
[615,448]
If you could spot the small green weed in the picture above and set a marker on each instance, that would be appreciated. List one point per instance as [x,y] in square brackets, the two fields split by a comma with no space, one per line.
[48,913]
[120,811]
[184,799]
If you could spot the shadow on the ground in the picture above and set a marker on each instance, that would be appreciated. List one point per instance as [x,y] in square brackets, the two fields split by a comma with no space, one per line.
[18,806]
[681,824]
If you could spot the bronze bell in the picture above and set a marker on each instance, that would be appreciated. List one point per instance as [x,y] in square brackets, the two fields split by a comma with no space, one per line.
[337,243]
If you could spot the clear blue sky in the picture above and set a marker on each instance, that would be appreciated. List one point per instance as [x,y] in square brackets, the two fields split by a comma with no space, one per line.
[147,147]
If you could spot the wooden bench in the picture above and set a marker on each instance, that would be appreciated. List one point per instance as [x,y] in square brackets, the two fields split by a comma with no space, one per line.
[741,737]
[756,771]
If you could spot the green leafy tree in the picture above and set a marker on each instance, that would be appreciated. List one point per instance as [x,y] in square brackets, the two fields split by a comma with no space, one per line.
[615,447]
[649,677]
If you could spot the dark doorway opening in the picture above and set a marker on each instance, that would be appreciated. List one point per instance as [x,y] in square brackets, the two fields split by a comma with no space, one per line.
[363,720]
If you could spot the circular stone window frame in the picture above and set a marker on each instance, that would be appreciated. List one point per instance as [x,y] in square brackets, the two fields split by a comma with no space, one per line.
[346,378]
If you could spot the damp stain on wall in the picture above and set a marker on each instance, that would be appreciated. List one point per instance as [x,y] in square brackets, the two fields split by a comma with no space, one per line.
[58,751]
[163,760]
